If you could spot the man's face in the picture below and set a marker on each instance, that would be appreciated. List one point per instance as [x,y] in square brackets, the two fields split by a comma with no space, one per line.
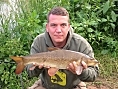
[58,27]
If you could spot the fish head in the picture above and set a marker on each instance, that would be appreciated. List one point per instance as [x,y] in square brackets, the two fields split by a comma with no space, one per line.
[90,61]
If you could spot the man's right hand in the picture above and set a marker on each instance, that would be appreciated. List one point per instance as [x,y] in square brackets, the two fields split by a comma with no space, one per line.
[34,66]
[51,70]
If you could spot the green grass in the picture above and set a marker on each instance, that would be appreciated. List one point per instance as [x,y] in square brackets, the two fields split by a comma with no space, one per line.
[108,65]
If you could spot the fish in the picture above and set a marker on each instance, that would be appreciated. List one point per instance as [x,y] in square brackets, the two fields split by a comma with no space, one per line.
[57,58]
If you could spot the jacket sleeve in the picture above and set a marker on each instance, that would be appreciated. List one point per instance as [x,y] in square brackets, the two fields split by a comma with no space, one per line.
[89,74]
[33,73]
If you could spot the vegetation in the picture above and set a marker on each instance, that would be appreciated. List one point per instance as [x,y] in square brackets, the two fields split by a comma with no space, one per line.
[96,20]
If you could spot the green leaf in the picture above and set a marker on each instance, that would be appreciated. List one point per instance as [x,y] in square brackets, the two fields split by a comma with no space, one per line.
[1,68]
[112,25]
[106,7]
[104,51]
[90,30]
[113,16]
[88,6]
[104,20]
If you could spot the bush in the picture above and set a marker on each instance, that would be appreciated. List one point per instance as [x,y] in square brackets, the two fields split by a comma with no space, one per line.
[97,22]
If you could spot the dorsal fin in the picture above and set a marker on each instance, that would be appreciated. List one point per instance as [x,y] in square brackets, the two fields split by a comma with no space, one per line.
[53,48]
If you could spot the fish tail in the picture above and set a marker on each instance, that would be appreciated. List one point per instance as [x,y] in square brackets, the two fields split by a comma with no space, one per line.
[20,65]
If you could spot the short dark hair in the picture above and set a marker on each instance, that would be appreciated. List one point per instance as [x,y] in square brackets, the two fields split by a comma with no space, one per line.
[58,11]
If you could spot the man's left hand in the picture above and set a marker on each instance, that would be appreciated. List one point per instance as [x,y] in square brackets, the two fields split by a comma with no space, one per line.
[77,69]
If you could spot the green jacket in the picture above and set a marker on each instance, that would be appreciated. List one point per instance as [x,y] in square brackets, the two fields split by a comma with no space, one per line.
[63,79]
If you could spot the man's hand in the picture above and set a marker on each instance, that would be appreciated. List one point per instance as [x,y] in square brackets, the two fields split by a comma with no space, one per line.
[51,70]
[34,66]
[77,69]
[73,67]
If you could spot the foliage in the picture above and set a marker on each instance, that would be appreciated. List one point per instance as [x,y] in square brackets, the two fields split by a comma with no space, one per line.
[96,20]
[16,35]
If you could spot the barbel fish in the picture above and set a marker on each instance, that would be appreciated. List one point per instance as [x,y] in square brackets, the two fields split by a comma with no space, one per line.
[58,58]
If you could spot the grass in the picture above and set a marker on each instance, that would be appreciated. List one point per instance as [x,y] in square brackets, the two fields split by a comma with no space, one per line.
[108,75]
[108,65]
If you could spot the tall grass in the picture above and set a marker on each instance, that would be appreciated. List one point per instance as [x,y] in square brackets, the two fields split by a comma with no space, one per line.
[108,65]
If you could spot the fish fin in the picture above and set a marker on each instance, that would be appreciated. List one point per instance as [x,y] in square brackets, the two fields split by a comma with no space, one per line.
[19,68]
[52,71]
[20,65]
[53,48]
[79,70]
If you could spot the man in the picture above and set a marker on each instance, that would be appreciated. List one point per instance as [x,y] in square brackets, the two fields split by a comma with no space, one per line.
[60,34]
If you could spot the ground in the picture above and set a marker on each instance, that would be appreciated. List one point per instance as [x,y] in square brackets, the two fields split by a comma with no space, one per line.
[104,83]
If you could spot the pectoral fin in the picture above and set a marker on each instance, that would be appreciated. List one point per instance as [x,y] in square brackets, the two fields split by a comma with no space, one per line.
[52,71]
